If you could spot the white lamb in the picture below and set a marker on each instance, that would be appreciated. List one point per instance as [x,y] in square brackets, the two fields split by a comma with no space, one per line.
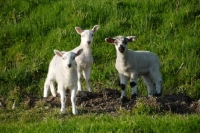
[132,64]
[85,60]
[63,70]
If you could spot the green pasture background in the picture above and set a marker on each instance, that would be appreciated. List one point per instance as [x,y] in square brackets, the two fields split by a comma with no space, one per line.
[31,29]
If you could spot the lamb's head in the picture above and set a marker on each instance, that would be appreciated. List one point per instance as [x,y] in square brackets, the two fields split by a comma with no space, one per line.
[68,57]
[121,42]
[87,35]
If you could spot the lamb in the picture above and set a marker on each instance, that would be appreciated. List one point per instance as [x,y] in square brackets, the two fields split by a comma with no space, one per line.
[132,64]
[85,60]
[63,70]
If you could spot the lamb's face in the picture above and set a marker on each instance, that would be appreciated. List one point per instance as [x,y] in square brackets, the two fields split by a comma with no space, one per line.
[69,60]
[87,35]
[121,42]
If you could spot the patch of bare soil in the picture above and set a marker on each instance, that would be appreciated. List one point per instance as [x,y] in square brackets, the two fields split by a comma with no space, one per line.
[108,100]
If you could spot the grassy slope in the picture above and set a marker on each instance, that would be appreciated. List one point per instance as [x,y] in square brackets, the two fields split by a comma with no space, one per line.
[30,30]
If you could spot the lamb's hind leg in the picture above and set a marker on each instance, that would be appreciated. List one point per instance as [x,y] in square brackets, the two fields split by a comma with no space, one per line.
[158,81]
[158,86]
[150,84]
[46,88]
[52,89]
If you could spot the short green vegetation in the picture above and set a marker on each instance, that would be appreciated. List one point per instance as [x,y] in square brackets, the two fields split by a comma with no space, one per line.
[39,121]
[31,29]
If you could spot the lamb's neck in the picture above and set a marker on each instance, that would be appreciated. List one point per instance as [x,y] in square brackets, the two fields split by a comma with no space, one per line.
[87,49]
[69,72]
[122,56]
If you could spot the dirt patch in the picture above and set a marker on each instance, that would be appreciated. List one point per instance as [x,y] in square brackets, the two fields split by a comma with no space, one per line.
[108,100]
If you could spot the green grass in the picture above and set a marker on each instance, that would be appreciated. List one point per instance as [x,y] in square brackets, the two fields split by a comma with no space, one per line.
[43,121]
[31,29]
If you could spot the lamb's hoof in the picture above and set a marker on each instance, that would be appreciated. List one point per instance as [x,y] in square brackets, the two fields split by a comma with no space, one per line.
[75,112]
[124,99]
[158,95]
[44,99]
[63,113]
[81,94]
[133,97]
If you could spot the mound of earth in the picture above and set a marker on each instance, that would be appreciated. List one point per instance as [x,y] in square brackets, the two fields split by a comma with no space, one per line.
[108,100]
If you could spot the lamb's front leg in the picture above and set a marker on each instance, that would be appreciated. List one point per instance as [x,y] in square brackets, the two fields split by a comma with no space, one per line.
[86,74]
[62,99]
[73,100]
[133,84]
[79,78]
[123,82]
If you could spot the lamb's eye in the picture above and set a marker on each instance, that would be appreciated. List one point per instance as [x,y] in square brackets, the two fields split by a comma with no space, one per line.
[64,58]
[73,57]
[125,42]
[92,34]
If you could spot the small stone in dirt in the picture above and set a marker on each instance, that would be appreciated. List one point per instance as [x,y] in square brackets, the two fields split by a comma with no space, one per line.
[46,107]
[81,94]
[14,105]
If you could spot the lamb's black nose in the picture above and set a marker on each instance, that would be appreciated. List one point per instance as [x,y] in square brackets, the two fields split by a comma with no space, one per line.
[89,42]
[69,65]
[121,48]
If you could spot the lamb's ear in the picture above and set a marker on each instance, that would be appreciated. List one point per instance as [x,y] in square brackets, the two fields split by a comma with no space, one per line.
[131,38]
[78,30]
[95,28]
[79,52]
[58,53]
[110,40]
